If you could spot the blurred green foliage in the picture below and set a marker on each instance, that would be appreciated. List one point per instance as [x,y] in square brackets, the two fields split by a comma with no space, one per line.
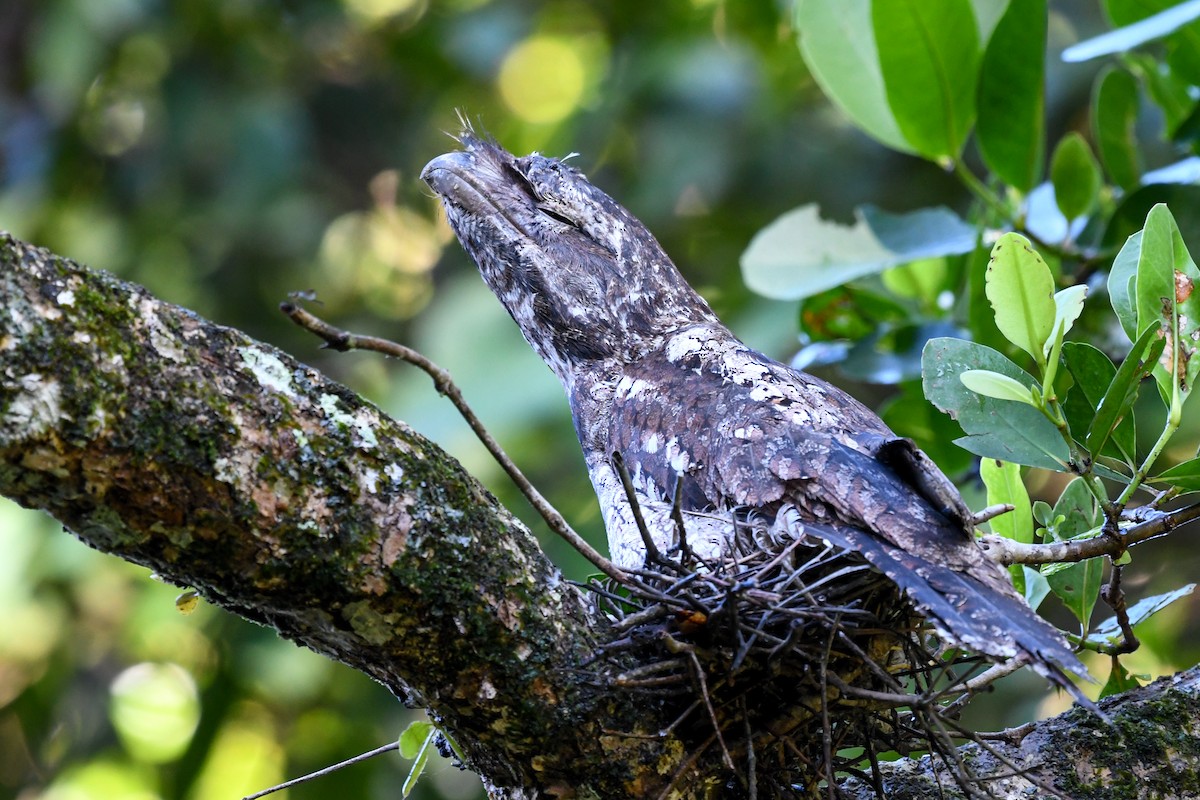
[226,152]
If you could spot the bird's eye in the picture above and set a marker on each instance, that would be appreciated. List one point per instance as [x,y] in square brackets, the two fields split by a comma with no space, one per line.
[555,215]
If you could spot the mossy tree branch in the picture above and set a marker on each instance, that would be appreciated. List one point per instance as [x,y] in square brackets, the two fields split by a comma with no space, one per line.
[1150,751]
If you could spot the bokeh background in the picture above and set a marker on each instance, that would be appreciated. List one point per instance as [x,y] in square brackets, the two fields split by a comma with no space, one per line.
[227,152]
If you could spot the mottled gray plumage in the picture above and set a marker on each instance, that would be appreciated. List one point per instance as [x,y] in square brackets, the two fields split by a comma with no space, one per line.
[653,375]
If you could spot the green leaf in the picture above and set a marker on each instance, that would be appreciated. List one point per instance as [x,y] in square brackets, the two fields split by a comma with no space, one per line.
[837,43]
[1036,586]
[1133,35]
[1114,115]
[1093,372]
[1186,475]
[1043,512]
[996,428]
[1077,585]
[921,280]
[1166,297]
[1119,680]
[414,737]
[1021,291]
[1167,91]
[1075,176]
[1122,284]
[1123,389]
[1004,485]
[800,254]
[1109,630]
[1011,97]
[993,384]
[1183,53]
[929,57]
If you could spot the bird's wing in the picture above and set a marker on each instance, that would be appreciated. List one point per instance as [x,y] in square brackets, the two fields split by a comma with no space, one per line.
[739,446]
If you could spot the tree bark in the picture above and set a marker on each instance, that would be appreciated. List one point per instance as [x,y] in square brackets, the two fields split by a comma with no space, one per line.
[1150,751]
[222,464]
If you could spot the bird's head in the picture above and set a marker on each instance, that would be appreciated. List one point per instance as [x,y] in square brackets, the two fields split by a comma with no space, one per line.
[582,277]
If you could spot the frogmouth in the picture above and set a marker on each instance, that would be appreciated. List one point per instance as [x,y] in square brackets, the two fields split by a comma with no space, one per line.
[657,384]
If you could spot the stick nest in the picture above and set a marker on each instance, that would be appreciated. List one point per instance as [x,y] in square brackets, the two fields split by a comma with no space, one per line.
[797,666]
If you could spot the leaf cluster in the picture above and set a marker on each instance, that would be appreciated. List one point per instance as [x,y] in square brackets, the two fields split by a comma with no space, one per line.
[997,316]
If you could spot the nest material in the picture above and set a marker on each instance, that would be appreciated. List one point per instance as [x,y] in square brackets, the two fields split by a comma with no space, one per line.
[796,665]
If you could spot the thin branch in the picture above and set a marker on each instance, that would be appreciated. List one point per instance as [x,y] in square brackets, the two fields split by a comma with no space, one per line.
[991,512]
[652,554]
[326,771]
[1157,523]
[343,341]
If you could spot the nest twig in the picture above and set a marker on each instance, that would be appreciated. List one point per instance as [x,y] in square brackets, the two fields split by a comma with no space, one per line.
[796,664]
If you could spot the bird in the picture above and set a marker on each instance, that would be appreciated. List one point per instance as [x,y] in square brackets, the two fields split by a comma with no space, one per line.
[666,399]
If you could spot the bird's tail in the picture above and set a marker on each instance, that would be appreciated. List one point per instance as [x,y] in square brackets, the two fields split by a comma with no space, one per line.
[966,611]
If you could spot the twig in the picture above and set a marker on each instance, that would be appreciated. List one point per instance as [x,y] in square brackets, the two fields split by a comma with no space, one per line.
[987,678]
[343,341]
[1114,596]
[676,646]
[326,771]
[685,553]
[652,554]
[1159,523]
[991,512]
[751,761]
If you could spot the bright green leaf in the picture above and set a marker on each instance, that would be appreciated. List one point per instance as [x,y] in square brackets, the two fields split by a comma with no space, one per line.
[1011,97]
[838,45]
[921,280]
[996,428]
[993,384]
[414,736]
[929,57]
[1021,291]
[800,254]
[1075,176]
[1114,115]
[1004,485]
[1186,476]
